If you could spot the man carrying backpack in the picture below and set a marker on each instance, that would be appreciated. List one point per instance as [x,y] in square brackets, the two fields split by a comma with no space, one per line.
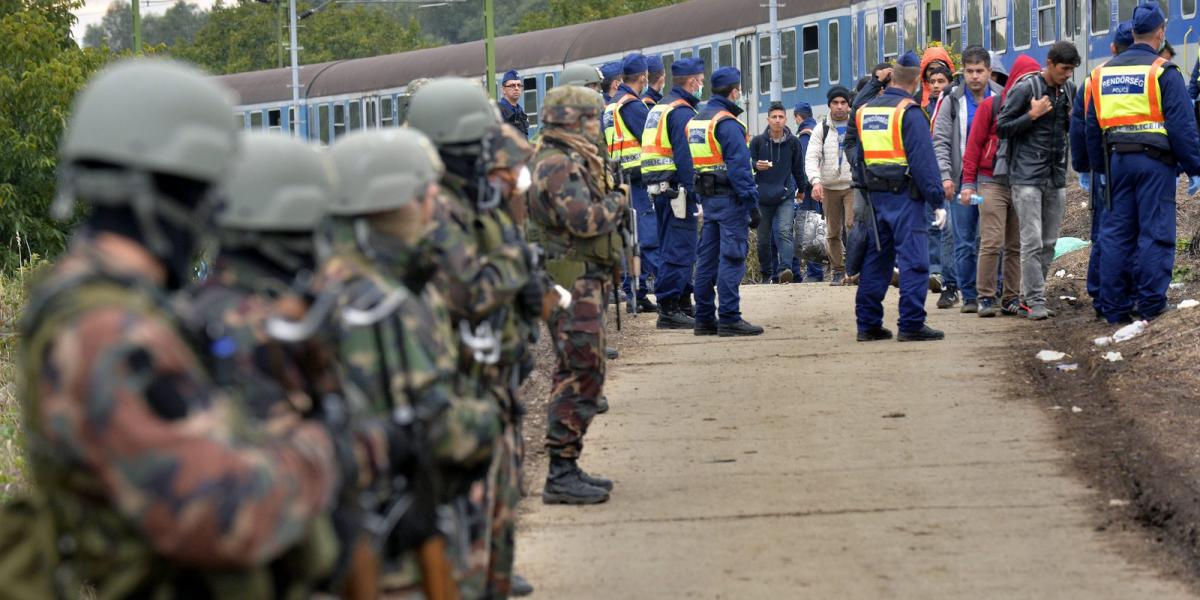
[828,173]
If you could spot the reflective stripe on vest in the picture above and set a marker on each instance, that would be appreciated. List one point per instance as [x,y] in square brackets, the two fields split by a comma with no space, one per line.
[879,130]
[1128,98]
[623,146]
[702,141]
[657,155]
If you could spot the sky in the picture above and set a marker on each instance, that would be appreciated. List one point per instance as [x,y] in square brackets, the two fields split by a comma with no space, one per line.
[94,10]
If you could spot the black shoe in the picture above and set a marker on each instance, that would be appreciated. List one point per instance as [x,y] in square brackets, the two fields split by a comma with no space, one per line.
[702,328]
[924,334]
[1013,308]
[601,404]
[564,485]
[600,482]
[670,317]
[611,354]
[685,306]
[970,307]
[949,297]
[988,308]
[874,335]
[646,306]
[519,587]
[740,328]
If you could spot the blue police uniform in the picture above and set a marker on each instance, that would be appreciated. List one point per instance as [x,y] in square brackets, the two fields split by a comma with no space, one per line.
[900,217]
[676,237]
[655,68]
[728,202]
[610,70]
[1122,38]
[634,114]
[1146,151]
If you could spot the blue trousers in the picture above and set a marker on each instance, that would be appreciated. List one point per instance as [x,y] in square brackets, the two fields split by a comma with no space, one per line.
[1099,210]
[721,258]
[676,249]
[966,248]
[647,225]
[775,244]
[941,247]
[904,237]
[1140,225]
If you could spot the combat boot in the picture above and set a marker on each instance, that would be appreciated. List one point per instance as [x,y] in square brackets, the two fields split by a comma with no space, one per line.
[611,353]
[740,328]
[520,586]
[706,328]
[601,404]
[564,485]
[600,482]
[686,307]
[670,317]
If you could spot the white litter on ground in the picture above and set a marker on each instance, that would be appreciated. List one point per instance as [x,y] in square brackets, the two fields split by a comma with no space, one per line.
[1115,502]
[1113,356]
[1076,409]
[1176,286]
[1103,341]
[1068,367]
[1189,303]
[1050,355]
[1068,298]
[1130,331]
[1060,273]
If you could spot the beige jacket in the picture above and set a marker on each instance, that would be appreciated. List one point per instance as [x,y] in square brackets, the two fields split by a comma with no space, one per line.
[826,163]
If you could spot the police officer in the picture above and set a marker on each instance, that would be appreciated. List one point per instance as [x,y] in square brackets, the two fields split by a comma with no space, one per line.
[1140,128]
[667,171]
[510,102]
[624,120]
[725,183]
[574,211]
[658,78]
[900,178]
[612,79]
[148,484]
[1093,179]
[581,74]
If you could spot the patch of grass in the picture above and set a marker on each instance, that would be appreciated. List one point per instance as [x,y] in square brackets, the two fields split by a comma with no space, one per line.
[12,453]
[1182,274]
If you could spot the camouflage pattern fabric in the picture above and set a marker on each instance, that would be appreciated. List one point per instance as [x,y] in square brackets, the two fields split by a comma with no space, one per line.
[504,494]
[143,463]
[579,379]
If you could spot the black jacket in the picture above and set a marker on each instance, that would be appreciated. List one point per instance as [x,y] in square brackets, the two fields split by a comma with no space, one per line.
[779,183]
[1037,149]
[514,116]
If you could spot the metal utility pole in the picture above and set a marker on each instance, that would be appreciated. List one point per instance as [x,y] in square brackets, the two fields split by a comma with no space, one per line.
[279,32]
[776,53]
[301,128]
[137,26]
[489,42]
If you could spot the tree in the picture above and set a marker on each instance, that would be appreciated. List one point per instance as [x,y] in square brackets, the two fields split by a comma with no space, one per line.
[569,12]
[177,26]
[114,30]
[41,70]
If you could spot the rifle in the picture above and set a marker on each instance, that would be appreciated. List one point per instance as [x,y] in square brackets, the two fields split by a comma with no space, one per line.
[633,254]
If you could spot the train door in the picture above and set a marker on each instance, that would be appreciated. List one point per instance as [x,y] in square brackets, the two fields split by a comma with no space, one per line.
[747,61]
[1074,30]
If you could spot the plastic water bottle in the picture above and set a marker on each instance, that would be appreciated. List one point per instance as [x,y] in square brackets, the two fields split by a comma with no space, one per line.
[976,199]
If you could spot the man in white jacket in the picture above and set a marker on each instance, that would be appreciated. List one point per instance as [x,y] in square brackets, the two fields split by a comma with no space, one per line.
[829,174]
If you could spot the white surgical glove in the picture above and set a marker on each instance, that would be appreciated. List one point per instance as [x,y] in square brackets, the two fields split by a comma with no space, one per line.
[564,297]
[939,218]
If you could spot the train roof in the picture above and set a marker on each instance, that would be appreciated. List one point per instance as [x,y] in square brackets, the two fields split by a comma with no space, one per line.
[558,46]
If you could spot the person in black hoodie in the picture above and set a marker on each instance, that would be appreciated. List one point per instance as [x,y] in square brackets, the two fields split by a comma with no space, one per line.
[778,171]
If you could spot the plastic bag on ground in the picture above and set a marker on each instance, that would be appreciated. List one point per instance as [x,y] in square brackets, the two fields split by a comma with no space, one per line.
[1067,245]
[809,231]
[1130,331]
[1050,355]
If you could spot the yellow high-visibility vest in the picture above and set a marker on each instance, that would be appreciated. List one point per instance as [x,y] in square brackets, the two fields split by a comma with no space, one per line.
[623,146]
[707,156]
[1128,98]
[879,130]
[657,155]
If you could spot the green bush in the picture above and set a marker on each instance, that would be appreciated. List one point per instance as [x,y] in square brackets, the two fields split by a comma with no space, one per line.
[13,289]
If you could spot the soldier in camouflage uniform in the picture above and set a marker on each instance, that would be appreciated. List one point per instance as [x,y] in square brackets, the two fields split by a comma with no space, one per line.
[152,486]
[396,338]
[484,266]
[575,209]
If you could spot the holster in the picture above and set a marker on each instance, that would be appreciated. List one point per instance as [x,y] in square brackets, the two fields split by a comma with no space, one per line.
[713,184]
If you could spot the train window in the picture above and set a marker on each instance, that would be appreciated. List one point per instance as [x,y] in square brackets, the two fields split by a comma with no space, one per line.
[912,33]
[1125,9]
[1189,8]
[812,54]
[706,56]
[274,120]
[685,53]
[1047,33]
[1021,26]
[834,50]
[1101,14]
[323,123]
[668,60]
[725,54]
[241,120]
[387,113]
[371,122]
[933,21]
[292,119]
[746,62]
[954,24]
[764,63]
[787,46]
[871,39]
[530,100]
[891,42]
[256,120]
[975,23]
[549,83]
[339,120]
[999,26]
[356,121]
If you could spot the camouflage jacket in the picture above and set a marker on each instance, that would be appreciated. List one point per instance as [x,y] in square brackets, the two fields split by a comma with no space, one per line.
[143,462]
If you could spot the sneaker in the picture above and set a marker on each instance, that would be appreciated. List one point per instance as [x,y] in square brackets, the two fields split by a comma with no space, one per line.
[839,278]
[970,307]
[611,353]
[520,587]
[602,404]
[949,298]
[705,328]
[874,335]
[1039,312]
[738,329]
[786,276]
[935,283]
[1014,308]
[988,308]
[924,334]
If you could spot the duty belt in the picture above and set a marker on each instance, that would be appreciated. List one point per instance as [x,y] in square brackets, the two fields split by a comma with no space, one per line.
[711,184]
[890,186]
[1166,156]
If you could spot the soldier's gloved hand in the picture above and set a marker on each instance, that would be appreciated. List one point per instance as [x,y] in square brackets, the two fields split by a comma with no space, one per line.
[939,218]
[755,217]
[1193,185]
[1085,182]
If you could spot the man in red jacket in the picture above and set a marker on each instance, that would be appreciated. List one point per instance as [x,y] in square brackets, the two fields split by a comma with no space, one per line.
[985,166]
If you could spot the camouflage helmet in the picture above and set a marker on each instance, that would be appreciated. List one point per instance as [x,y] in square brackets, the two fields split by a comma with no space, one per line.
[382,169]
[568,104]
[505,148]
[580,74]
[280,185]
[452,111]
